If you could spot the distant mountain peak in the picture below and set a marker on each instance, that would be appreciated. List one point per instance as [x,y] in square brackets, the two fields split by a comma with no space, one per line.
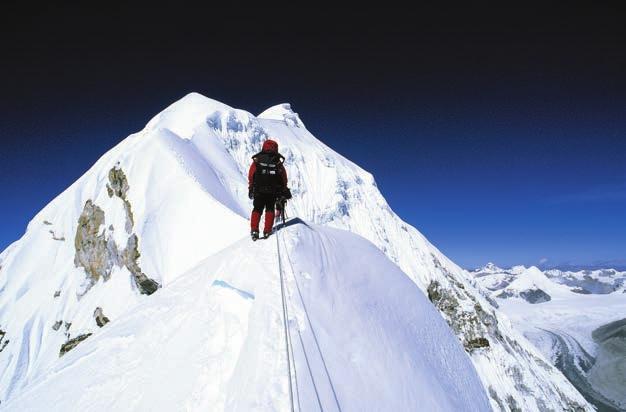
[282,112]
[489,268]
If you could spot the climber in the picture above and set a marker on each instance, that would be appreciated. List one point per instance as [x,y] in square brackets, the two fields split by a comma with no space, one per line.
[267,182]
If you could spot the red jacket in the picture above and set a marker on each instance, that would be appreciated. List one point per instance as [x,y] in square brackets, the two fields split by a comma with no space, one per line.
[281,171]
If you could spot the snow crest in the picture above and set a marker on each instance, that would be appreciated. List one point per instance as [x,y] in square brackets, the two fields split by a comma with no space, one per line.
[211,339]
[185,183]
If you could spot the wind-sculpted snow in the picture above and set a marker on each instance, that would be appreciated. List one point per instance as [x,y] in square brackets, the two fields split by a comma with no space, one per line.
[213,340]
[175,216]
[185,176]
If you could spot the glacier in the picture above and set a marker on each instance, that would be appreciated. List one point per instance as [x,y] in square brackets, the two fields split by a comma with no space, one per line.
[579,327]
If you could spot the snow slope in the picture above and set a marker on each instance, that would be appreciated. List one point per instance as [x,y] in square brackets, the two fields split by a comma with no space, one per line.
[598,281]
[563,327]
[529,284]
[212,339]
[520,278]
[148,210]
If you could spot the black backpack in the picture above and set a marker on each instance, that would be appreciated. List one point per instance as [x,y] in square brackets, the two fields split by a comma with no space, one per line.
[267,179]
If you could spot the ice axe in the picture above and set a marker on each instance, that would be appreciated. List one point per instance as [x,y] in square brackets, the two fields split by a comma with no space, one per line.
[281,204]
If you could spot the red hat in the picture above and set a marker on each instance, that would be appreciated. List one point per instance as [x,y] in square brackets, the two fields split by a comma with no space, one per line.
[270,146]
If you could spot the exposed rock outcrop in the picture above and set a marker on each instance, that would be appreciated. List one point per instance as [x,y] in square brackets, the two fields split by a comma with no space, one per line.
[3,342]
[471,326]
[98,315]
[493,394]
[505,294]
[477,327]
[97,252]
[130,258]
[55,237]
[71,344]
[608,374]
[535,296]
[477,343]
[118,186]
[93,252]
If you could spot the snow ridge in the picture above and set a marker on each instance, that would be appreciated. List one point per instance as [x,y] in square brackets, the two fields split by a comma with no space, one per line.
[186,175]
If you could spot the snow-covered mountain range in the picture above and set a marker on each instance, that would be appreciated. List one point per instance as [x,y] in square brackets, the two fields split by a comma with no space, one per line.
[134,286]
[576,318]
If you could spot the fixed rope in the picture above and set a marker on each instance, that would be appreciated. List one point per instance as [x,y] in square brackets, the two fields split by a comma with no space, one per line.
[308,365]
[330,381]
[293,358]
[295,372]
[287,345]
[286,300]
[306,357]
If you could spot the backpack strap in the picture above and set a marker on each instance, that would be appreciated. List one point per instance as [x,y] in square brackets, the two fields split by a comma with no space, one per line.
[281,158]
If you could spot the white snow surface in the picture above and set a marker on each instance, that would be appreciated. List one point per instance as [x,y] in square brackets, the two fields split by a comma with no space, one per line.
[564,325]
[519,278]
[574,314]
[213,339]
[187,172]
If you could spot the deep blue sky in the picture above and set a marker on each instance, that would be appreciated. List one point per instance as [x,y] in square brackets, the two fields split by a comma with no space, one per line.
[500,136]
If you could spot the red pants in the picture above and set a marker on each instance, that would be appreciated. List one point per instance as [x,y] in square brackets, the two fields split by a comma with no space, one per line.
[263,201]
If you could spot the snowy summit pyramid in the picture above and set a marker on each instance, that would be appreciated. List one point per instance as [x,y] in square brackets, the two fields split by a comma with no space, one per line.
[121,296]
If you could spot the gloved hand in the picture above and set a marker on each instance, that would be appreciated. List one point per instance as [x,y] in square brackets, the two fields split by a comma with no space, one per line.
[250,193]
[287,193]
